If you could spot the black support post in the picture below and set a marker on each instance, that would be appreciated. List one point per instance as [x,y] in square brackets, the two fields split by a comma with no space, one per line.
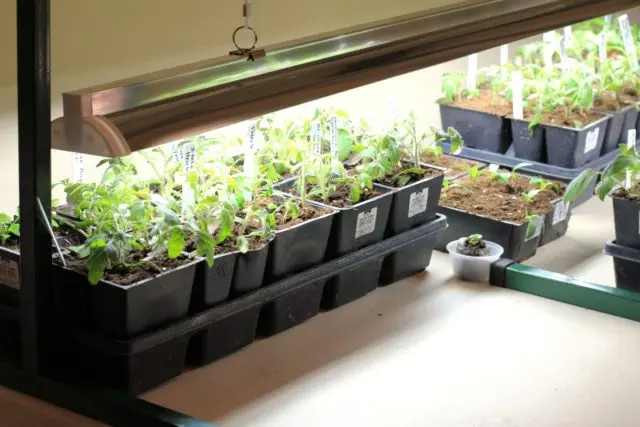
[34,130]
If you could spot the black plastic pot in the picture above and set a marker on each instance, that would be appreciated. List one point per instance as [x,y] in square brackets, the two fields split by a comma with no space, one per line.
[10,337]
[408,261]
[572,148]
[124,311]
[291,309]
[626,263]
[478,129]
[618,127]
[626,217]
[9,276]
[299,247]
[250,268]
[224,336]
[520,241]
[556,222]
[213,284]
[414,204]
[528,145]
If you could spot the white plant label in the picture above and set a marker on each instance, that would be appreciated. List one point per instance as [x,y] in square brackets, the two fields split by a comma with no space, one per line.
[631,142]
[560,212]
[516,90]
[249,151]
[393,113]
[504,54]
[472,72]
[366,222]
[592,139]
[316,147]
[418,202]
[10,273]
[176,152]
[534,228]
[568,35]
[189,156]
[547,49]
[602,47]
[607,20]
[78,167]
[627,37]
[564,56]
[333,141]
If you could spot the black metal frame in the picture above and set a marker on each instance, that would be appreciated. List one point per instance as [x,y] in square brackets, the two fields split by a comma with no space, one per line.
[38,326]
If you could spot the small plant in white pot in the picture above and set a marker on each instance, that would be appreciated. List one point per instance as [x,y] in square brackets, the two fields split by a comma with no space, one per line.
[472,257]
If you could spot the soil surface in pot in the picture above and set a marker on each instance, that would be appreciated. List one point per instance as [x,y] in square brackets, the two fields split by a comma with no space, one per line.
[413,178]
[306,212]
[632,194]
[466,248]
[487,102]
[609,101]
[453,165]
[129,276]
[494,199]
[561,117]
[339,198]
[65,235]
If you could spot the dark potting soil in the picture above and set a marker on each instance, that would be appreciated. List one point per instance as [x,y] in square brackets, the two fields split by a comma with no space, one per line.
[129,276]
[487,102]
[561,117]
[494,199]
[306,212]
[632,194]
[447,162]
[67,237]
[415,176]
[339,198]
[466,248]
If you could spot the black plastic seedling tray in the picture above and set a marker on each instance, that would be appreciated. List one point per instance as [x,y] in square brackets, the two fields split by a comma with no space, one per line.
[626,263]
[537,168]
[139,364]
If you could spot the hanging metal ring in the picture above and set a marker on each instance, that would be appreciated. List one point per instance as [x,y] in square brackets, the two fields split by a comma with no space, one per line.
[255,38]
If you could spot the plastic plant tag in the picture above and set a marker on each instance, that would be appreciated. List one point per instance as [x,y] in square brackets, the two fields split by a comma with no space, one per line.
[316,147]
[418,202]
[602,47]
[366,222]
[534,227]
[393,114]
[10,273]
[631,142]
[516,89]
[176,152]
[333,141]
[607,20]
[78,167]
[472,72]
[564,57]
[592,139]
[568,35]
[547,49]
[627,37]
[504,54]
[189,158]
[560,212]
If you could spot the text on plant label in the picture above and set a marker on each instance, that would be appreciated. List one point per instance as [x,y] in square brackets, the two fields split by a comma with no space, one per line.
[366,222]
[315,137]
[591,140]
[418,202]
[333,126]
[78,167]
[10,273]
[560,212]
[472,72]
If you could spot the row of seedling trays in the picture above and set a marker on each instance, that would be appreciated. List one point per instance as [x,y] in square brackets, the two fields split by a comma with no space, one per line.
[134,337]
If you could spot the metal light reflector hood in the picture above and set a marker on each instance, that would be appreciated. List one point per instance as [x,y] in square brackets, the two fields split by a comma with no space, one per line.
[119,118]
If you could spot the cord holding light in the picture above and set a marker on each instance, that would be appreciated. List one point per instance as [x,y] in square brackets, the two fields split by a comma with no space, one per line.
[251,53]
